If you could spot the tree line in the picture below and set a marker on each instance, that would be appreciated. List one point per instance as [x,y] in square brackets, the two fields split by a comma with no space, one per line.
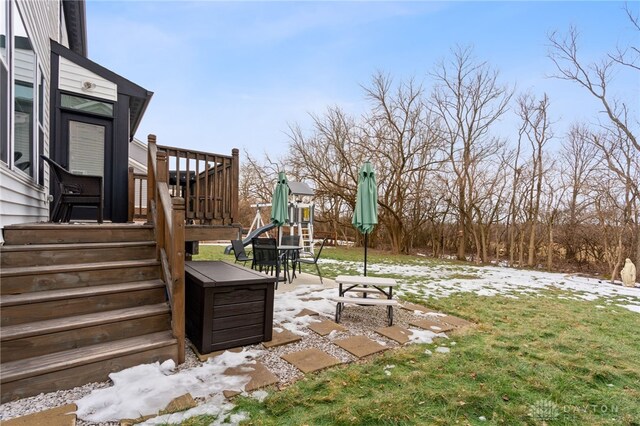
[448,184]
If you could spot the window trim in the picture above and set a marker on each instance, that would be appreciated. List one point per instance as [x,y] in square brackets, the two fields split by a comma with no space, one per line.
[33,178]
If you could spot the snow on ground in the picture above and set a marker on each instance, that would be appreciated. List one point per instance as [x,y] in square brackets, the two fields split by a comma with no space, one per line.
[443,280]
[148,388]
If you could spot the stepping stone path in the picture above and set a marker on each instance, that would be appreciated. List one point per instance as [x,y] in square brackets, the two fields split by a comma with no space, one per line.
[310,360]
[325,327]
[436,327]
[397,333]
[260,375]
[307,312]
[205,357]
[455,321]
[360,346]
[59,416]
[280,338]
[307,360]
[415,307]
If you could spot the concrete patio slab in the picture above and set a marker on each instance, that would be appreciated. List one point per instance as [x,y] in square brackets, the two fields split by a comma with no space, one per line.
[436,327]
[303,279]
[307,312]
[325,327]
[260,375]
[280,338]
[310,360]
[397,333]
[60,416]
[360,346]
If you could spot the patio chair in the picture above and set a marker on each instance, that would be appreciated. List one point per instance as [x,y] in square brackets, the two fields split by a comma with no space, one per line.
[291,240]
[312,261]
[75,190]
[240,253]
[266,257]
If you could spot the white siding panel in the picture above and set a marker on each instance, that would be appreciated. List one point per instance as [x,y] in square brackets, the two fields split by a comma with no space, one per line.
[24,66]
[73,76]
[19,201]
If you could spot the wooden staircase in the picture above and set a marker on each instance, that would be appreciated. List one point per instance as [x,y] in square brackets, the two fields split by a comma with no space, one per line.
[78,302]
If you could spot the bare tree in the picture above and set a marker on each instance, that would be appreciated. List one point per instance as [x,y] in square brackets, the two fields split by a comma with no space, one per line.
[579,160]
[595,78]
[468,99]
[537,130]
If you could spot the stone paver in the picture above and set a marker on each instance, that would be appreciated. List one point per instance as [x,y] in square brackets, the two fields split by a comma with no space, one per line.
[280,338]
[311,299]
[205,357]
[310,360]
[455,321]
[360,346]
[325,327]
[415,307]
[436,327]
[59,416]
[307,312]
[180,403]
[260,375]
[397,333]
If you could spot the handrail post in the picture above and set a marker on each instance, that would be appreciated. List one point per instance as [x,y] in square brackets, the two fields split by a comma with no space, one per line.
[177,272]
[151,177]
[235,183]
[132,196]
[161,177]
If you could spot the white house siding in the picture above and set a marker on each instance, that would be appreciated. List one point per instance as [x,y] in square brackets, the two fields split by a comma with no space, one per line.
[138,160]
[73,76]
[21,200]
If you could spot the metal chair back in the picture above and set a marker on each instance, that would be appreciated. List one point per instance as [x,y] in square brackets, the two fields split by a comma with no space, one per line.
[239,252]
[75,190]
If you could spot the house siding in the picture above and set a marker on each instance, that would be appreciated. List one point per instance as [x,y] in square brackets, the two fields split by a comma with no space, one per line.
[72,77]
[21,199]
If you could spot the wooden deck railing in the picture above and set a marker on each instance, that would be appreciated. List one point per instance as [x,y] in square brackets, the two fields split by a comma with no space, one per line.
[168,216]
[137,195]
[208,183]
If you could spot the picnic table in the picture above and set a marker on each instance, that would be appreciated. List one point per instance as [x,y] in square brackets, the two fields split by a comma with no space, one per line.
[365,286]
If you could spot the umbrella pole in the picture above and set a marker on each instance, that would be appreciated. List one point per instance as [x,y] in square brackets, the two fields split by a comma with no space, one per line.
[365,253]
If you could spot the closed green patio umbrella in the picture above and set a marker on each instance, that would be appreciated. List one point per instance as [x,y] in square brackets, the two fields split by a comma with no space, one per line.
[365,215]
[280,202]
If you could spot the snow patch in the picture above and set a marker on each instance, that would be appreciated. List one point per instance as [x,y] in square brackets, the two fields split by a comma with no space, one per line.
[148,388]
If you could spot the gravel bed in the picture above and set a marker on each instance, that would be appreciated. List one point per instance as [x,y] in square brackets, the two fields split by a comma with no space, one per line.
[358,320]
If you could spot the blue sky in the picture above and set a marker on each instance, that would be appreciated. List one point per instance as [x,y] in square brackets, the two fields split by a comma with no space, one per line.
[234,74]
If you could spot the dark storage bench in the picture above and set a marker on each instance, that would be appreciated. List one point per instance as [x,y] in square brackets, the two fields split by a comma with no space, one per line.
[227,305]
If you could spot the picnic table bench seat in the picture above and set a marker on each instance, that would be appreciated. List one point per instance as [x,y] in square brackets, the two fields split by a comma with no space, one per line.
[365,286]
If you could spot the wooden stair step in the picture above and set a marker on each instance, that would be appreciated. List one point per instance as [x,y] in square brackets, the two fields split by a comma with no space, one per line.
[51,304]
[75,267]
[74,293]
[55,277]
[36,366]
[25,255]
[46,233]
[43,337]
[75,367]
[57,325]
